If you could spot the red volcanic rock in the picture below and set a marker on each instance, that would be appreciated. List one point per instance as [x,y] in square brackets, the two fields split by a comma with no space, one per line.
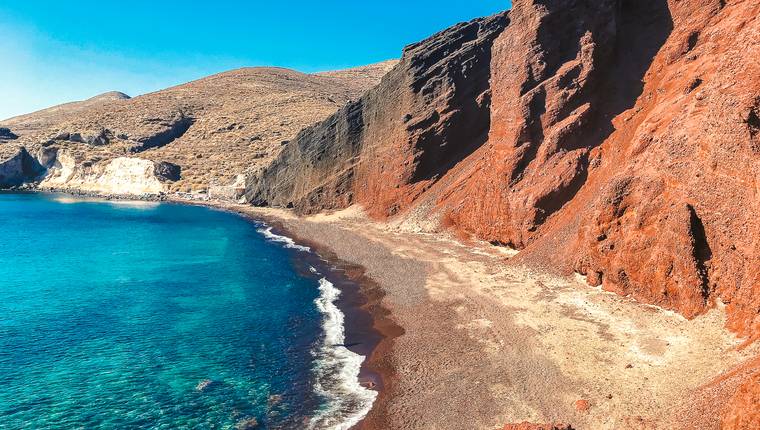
[547,113]
[729,401]
[385,149]
[616,138]
[742,412]
[582,405]
[626,134]
[670,213]
[531,426]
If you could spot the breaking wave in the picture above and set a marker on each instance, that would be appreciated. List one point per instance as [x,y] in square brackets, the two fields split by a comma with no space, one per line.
[337,370]
[284,240]
[346,401]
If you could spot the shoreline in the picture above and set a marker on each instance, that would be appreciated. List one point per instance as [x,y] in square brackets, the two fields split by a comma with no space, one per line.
[359,295]
[488,343]
[376,368]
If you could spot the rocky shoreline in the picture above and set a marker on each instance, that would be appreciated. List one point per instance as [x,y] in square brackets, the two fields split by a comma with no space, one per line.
[614,143]
[453,354]
[474,341]
[378,371]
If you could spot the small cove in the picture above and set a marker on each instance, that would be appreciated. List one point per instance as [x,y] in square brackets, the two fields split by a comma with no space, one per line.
[148,315]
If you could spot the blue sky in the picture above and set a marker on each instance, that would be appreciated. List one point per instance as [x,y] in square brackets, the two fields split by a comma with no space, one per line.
[58,51]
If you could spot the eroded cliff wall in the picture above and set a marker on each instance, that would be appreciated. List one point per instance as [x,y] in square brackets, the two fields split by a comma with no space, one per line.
[385,149]
[615,138]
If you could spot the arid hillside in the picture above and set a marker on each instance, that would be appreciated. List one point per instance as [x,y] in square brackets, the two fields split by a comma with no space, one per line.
[44,119]
[213,129]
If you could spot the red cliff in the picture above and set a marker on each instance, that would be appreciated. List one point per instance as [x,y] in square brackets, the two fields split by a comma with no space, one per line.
[619,139]
[623,133]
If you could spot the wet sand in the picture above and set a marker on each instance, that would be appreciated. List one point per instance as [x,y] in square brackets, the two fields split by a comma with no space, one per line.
[474,342]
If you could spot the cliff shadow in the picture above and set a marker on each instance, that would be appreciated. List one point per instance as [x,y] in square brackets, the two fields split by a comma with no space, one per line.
[644,27]
[461,124]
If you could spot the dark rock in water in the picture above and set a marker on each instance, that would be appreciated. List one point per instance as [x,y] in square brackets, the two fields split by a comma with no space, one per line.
[168,171]
[247,424]
[274,399]
[6,134]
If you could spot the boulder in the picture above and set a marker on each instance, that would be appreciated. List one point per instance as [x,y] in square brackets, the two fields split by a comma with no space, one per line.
[7,134]
[19,169]
[167,171]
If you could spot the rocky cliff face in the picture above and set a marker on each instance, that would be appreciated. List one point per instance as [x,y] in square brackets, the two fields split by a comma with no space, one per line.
[614,138]
[672,219]
[18,168]
[385,149]
[561,71]
[120,176]
[624,133]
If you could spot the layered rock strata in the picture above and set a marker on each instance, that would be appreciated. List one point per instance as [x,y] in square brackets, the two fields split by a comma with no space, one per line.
[622,132]
[385,149]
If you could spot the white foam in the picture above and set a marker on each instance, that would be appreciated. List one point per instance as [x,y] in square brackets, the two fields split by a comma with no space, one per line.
[338,370]
[284,240]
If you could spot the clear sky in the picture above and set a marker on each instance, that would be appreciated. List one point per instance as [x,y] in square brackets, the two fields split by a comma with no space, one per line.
[57,51]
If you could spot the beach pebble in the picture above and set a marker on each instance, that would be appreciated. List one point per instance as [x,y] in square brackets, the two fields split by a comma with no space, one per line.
[582,405]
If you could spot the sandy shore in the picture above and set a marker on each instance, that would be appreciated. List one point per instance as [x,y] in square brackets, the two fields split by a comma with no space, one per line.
[475,343]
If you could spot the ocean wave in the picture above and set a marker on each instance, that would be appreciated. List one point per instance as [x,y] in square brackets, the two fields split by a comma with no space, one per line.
[337,370]
[284,240]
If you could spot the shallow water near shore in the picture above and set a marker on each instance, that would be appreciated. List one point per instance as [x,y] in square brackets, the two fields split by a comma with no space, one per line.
[146,315]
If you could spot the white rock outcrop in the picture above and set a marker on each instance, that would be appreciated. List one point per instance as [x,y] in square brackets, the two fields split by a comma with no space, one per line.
[120,176]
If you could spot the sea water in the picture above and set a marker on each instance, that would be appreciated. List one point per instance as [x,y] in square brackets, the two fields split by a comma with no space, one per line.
[164,316]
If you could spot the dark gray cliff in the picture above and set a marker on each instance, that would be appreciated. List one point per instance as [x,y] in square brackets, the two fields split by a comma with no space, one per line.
[19,169]
[7,134]
[428,113]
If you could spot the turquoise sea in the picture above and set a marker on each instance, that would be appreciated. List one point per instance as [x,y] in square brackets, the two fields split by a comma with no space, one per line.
[121,315]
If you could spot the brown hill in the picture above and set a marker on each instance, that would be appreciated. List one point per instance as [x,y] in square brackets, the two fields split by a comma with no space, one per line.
[213,128]
[46,118]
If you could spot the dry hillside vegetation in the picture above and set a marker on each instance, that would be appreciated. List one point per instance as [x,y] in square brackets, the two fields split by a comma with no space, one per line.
[213,128]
